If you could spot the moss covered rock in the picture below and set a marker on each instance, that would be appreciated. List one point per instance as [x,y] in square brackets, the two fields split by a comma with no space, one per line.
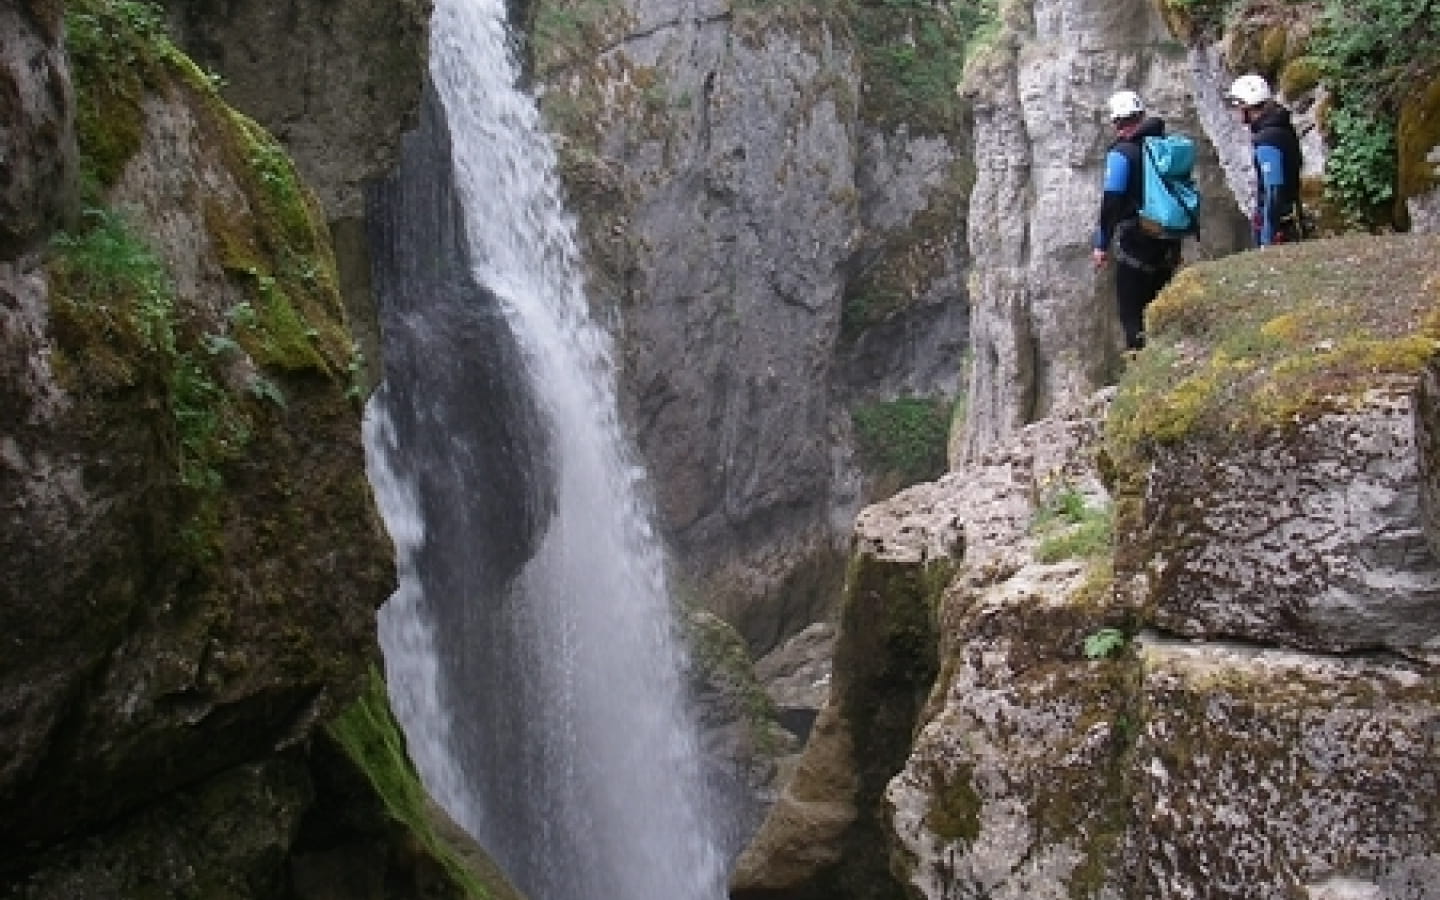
[1269,455]
[1265,773]
[819,839]
[1016,783]
[1417,140]
[1073,748]
[194,555]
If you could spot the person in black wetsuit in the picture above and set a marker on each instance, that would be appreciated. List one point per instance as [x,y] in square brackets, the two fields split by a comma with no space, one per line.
[1144,263]
[1276,218]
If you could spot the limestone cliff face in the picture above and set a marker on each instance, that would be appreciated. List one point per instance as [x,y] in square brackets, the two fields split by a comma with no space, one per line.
[337,83]
[733,200]
[1044,332]
[36,129]
[1189,649]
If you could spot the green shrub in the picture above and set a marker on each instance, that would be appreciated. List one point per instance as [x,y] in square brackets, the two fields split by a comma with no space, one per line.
[106,265]
[1370,52]
[1360,171]
[903,440]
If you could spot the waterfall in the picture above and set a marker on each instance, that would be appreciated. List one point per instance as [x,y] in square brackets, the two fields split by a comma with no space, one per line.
[530,645]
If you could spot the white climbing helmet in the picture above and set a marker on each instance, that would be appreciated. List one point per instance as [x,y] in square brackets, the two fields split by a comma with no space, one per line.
[1124,104]
[1249,90]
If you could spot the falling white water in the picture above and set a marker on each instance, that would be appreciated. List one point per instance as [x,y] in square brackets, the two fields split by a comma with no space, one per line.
[596,761]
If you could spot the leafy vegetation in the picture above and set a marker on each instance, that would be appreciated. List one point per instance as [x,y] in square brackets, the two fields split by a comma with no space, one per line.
[111,289]
[1370,52]
[122,334]
[903,440]
[1105,643]
[1070,527]
[116,48]
[914,53]
[108,262]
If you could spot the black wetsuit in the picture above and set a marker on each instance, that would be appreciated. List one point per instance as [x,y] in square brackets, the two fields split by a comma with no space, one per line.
[1277,189]
[1144,264]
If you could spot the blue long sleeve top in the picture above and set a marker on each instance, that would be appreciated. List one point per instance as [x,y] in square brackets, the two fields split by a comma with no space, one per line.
[1270,166]
[1116,190]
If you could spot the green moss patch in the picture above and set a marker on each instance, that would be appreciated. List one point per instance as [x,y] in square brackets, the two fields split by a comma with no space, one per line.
[117,52]
[1417,135]
[371,738]
[1196,18]
[122,334]
[113,295]
[1061,726]
[118,328]
[721,663]
[275,242]
[278,246]
[886,661]
[1265,339]
[1245,349]
[954,813]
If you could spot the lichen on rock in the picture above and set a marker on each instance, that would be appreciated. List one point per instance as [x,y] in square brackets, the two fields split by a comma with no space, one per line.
[1266,772]
[1268,452]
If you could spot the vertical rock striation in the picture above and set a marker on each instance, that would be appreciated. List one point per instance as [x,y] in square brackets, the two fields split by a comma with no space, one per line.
[731,198]
[1044,324]
[37,149]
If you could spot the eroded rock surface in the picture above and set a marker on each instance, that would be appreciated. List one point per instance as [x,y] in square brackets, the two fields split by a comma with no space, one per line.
[731,197]
[1244,709]
[1317,541]
[37,149]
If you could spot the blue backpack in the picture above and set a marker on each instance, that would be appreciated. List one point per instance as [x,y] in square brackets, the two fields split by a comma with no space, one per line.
[1171,205]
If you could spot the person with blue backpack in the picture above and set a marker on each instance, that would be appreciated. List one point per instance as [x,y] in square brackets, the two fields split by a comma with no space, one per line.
[1145,256]
[1276,218]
